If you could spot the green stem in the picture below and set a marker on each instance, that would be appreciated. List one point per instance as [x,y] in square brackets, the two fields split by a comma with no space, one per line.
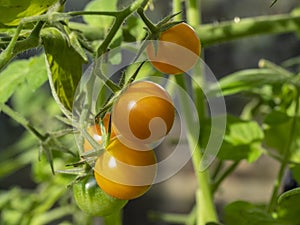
[205,206]
[229,170]
[102,49]
[32,41]
[285,161]
[15,47]
[206,211]
[114,219]
[215,33]
[7,54]
[193,12]
[263,63]
[177,7]
[211,34]
[192,216]
[134,75]
[122,15]
[147,22]
[97,13]
[194,19]
[273,3]
[217,169]
[114,29]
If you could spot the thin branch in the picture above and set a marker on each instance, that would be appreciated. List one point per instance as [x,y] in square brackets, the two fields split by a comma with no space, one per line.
[224,175]
[215,33]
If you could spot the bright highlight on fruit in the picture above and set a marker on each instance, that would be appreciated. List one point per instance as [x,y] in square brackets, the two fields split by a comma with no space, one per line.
[143,113]
[125,172]
[95,132]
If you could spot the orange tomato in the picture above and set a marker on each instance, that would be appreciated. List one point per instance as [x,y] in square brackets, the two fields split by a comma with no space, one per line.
[125,172]
[144,112]
[177,50]
[95,132]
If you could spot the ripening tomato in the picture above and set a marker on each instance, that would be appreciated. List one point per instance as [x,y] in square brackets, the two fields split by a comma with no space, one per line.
[95,132]
[125,172]
[144,112]
[177,50]
[92,200]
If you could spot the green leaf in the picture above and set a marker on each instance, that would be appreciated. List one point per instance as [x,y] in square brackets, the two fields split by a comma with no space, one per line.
[11,12]
[245,213]
[242,139]
[37,74]
[64,65]
[243,132]
[100,5]
[77,47]
[278,126]
[288,207]
[32,71]
[246,81]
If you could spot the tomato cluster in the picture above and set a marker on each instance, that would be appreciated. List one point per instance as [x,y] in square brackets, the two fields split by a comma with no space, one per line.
[142,114]
[127,167]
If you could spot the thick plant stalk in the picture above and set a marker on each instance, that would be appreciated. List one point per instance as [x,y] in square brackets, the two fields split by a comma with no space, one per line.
[206,211]
[205,206]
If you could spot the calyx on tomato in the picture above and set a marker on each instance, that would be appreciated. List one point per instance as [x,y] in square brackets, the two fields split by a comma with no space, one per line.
[95,132]
[176,51]
[125,172]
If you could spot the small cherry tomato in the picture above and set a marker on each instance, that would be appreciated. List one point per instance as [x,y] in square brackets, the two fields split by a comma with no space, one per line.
[125,172]
[95,132]
[177,50]
[94,201]
[144,112]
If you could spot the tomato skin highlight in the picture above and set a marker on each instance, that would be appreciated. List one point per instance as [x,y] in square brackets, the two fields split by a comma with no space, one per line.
[125,172]
[144,112]
[178,49]
[93,201]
